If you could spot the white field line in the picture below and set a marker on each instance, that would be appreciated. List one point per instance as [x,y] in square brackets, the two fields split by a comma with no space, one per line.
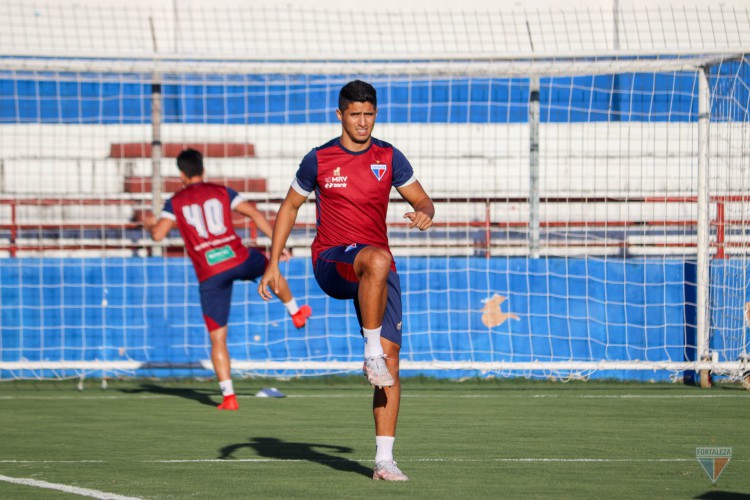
[367,394]
[646,396]
[445,460]
[53,461]
[86,492]
[370,460]
[451,460]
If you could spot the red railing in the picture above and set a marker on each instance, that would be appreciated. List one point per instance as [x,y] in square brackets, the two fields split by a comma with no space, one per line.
[720,223]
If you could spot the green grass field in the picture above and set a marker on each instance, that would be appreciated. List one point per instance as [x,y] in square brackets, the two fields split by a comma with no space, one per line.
[491,439]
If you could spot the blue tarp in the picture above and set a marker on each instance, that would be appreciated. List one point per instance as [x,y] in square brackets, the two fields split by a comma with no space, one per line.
[580,309]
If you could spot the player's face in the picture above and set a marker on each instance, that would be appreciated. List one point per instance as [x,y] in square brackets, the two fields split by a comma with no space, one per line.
[357,122]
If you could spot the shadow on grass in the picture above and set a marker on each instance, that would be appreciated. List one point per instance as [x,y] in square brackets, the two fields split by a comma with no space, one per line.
[202,396]
[275,448]
[731,387]
[722,495]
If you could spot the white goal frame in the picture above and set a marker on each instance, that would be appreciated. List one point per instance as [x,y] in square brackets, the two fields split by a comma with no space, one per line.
[160,70]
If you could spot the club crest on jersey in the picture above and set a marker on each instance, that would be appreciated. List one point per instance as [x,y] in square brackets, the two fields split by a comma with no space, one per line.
[379,170]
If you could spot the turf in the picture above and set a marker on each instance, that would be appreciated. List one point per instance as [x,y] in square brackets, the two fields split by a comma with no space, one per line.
[500,439]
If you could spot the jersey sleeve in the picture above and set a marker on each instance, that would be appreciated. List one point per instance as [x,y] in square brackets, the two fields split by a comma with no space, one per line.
[307,174]
[168,211]
[235,198]
[403,173]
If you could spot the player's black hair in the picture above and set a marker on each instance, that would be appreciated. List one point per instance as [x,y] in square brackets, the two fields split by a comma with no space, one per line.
[357,91]
[190,163]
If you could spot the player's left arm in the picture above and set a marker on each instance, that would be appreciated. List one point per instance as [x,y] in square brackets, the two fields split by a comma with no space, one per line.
[424,209]
[159,229]
[248,210]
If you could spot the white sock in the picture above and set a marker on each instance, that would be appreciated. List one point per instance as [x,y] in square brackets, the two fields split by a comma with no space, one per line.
[227,388]
[291,307]
[372,342]
[384,448]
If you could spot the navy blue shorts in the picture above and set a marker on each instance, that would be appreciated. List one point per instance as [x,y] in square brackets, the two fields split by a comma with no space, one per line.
[216,291]
[334,272]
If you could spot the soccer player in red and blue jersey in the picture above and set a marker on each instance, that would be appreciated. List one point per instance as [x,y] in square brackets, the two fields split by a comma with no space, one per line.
[203,213]
[352,177]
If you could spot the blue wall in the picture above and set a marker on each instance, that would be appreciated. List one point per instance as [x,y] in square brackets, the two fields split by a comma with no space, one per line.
[274,99]
[568,309]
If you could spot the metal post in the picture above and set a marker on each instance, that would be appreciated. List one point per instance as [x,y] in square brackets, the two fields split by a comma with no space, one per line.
[487,229]
[616,24]
[720,229]
[156,116]
[703,256]
[156,198]
[13,229]
[534,167]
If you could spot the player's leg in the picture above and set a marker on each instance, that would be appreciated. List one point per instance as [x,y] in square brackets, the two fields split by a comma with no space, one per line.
[216,297]
[387,400]
[299,314]
[372,267]
[220,353]
[360,273]
[386,403]
[254,267]
[335,273]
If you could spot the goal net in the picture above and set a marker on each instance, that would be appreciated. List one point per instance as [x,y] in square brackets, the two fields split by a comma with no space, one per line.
[592,196]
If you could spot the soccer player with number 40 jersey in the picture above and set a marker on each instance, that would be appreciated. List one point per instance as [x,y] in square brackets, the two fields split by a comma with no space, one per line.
[352,176]
[203,213]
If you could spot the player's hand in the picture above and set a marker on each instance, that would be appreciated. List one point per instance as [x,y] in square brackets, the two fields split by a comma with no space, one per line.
[149,221]
[270,281]
[286,254]
[419,220]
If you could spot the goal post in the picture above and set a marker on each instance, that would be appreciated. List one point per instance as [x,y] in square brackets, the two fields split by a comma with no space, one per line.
[592,210]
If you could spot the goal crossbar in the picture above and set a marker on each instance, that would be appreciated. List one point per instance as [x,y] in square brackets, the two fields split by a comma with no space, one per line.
[166,69]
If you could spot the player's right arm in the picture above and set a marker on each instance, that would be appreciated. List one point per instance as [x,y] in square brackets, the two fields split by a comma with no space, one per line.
[158,229]
[302,185]
[282,228]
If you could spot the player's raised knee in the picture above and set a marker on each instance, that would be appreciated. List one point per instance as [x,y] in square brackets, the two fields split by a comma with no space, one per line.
[374,260]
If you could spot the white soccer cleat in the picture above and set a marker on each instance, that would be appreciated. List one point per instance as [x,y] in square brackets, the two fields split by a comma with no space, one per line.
[377,372]
[386,470]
